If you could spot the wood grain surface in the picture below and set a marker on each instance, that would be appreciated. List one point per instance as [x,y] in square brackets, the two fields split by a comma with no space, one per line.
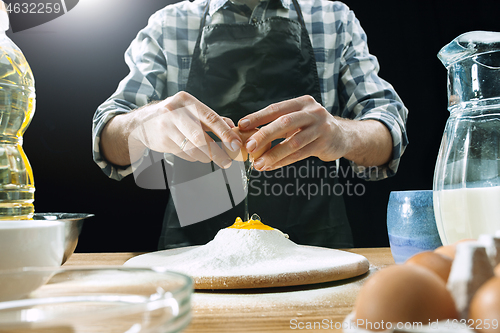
[313,308]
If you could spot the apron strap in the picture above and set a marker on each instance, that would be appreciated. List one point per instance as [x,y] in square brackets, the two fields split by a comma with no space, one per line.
[197,50]
[299,13]
[204,18]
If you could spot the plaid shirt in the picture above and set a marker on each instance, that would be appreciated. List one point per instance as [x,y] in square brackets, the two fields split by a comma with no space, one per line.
[160,56]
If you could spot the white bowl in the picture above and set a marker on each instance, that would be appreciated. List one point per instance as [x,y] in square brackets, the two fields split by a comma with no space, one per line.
[28,243]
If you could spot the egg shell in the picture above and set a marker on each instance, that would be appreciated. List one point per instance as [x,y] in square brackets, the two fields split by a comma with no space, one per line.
[492,246]
[484,309]
[436,262]
[449,250]
[446,250]
[402,294]
[242,154]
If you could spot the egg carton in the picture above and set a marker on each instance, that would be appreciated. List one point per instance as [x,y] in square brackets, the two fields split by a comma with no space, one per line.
[473,265]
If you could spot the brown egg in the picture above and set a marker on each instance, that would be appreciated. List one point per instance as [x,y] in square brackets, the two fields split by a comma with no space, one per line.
[242,155]
[497,270]
[484,311]
[446,250]
[403,294]
[449,250]
[436,262]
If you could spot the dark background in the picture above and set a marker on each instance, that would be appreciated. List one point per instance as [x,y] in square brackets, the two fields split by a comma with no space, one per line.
[77,61]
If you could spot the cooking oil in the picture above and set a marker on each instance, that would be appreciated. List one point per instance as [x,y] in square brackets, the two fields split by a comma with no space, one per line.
[17,107]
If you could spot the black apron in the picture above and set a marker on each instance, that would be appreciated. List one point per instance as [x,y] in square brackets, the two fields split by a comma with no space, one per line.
[238,69]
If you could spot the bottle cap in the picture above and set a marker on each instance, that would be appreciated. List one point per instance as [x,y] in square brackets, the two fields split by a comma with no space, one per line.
[4,17]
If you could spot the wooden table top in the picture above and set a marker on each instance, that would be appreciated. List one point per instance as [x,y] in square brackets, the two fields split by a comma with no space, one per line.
[322,306]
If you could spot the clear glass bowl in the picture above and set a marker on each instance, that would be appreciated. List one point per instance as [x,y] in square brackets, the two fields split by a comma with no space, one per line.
[105,299]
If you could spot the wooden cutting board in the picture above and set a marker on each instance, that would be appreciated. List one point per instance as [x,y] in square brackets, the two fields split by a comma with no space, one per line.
[334,265]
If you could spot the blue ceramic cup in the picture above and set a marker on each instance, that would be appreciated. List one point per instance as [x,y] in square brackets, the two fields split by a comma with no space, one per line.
[411,224]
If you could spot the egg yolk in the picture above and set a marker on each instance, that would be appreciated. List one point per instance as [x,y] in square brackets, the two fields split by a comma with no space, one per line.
[250,224]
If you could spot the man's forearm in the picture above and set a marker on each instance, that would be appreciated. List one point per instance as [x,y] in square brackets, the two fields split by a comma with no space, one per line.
[115,137]
[370,142]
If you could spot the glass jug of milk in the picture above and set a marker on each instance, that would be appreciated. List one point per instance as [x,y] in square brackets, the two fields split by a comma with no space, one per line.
[467,174]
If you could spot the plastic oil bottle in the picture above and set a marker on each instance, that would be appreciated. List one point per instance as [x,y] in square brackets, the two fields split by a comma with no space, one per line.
[17,107]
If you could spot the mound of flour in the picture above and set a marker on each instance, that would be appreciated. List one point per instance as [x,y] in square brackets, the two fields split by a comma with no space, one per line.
[240,248]
[244,252]
[234,251]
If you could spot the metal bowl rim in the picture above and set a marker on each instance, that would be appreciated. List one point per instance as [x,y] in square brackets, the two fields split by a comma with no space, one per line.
[61,216]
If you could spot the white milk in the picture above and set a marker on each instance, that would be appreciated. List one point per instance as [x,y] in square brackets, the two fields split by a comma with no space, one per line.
[467,212]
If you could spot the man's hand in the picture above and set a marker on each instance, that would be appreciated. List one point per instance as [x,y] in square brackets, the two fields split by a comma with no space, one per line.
[242,155]
[308,129]
[177,125]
